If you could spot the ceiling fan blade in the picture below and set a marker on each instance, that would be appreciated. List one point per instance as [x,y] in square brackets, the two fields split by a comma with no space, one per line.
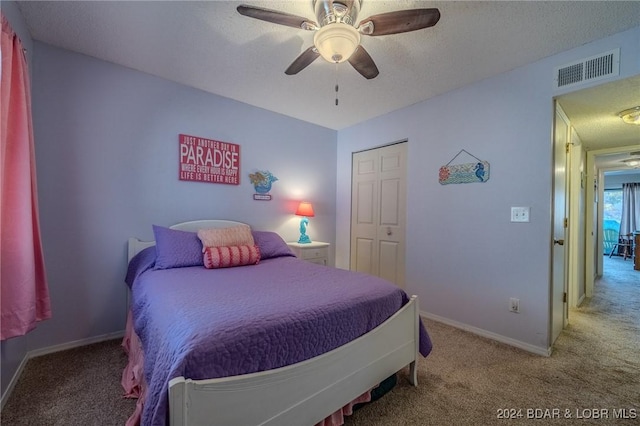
[400,21]
[277,17]
[302,61]
[362,62]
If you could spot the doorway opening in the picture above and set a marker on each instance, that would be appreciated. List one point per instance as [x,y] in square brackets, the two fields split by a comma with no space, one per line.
[611,215]
[617,242]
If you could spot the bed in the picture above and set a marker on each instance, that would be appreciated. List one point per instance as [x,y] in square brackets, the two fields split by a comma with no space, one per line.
[278,342]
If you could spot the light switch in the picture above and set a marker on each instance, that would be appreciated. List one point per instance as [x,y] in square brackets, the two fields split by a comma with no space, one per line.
[519,214]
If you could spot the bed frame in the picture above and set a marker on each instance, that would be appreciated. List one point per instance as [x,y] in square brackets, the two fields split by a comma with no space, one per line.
[302,393]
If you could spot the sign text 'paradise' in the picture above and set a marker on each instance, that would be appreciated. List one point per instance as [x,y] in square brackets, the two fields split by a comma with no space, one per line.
[207,160]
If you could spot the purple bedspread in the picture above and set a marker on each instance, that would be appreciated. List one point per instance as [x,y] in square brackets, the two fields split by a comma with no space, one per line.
[202,323]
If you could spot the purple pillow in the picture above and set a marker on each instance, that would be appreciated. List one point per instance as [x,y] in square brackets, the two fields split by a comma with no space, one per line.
[270,244]
[177,249]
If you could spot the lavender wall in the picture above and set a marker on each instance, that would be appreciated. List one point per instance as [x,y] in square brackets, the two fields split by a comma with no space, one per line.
[107,156]
[465,259]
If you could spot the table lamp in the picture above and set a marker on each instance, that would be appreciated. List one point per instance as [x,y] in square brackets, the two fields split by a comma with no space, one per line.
[305,209]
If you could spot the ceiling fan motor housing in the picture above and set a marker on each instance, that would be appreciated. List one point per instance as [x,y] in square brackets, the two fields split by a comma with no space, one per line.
[336,11]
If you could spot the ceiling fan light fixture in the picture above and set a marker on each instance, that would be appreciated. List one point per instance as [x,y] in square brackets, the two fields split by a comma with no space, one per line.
[336,42]
[631,115]
[632,162]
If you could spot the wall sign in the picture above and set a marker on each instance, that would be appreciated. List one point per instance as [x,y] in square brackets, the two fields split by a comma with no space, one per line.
[261,181]
[478,171]
[207,160]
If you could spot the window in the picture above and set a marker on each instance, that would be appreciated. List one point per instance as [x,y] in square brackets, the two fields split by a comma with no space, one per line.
[612,209]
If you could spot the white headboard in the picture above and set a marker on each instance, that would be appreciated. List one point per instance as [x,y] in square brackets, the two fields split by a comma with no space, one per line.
[136,245]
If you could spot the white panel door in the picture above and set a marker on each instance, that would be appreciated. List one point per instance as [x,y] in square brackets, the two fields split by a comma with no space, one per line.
[559,307]
[378,213]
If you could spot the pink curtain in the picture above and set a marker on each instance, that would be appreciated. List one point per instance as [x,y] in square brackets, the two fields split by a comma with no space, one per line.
[24,292]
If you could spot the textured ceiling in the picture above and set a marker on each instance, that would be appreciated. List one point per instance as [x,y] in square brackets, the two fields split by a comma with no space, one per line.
[210,46]
[594,114]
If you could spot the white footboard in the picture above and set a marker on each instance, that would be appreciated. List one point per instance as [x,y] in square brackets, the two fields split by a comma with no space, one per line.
[303,393]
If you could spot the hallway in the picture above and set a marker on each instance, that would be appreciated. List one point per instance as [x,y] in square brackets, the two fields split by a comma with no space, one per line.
[618,270]
[614,310]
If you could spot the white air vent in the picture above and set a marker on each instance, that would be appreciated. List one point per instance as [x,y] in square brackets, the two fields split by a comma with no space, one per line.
[589,69]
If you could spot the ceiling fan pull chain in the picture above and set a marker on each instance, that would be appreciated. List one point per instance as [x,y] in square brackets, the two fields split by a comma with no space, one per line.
[336,84]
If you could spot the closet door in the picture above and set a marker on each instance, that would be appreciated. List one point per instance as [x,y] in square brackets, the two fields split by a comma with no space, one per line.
[378,216]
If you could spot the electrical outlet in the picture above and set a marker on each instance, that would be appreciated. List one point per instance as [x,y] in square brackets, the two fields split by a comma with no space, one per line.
[514,305]
[520,214]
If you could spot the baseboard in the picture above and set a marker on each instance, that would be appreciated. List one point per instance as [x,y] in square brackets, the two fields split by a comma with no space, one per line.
[12,383]
[52,349]
[75,344]
[488,334]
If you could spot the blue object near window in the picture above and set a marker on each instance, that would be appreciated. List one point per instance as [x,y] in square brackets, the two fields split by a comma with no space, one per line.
[610,240]
[611,224]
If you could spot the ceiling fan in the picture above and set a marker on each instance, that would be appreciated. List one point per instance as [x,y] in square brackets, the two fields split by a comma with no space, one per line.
[337,37]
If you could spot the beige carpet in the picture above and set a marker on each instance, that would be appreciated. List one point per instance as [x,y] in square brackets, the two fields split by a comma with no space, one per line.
[466,380]
[471,380]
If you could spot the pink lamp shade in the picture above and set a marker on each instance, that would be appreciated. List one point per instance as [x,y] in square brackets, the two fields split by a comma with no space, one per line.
[305,209]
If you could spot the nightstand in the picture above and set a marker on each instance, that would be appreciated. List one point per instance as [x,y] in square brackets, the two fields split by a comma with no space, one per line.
[314,252]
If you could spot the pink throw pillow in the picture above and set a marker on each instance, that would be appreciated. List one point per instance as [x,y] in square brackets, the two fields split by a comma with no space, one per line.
[229,256]
[233,236]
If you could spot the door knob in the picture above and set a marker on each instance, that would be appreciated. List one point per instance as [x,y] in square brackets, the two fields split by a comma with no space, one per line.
[389,230]
[558,242]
